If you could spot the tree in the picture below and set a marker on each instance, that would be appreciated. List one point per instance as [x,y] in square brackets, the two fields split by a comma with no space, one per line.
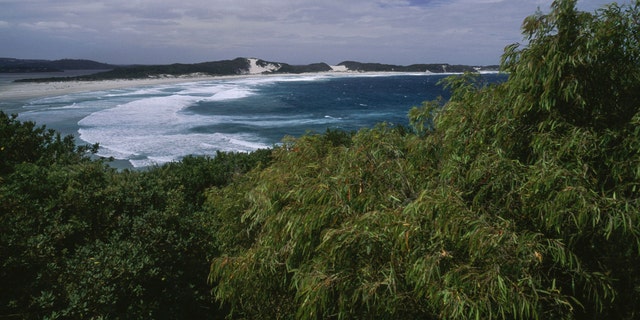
[80,240]
[516,200]
[25,142]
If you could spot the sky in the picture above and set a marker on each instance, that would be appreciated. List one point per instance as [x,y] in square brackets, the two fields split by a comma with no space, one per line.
[472,32]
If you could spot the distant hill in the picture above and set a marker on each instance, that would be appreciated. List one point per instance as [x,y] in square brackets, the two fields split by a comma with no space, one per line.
[242,66]
[11,65]
[432,68]
[79,64]
[238,66]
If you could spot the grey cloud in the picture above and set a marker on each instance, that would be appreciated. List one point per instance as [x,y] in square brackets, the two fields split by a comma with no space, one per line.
[303,31]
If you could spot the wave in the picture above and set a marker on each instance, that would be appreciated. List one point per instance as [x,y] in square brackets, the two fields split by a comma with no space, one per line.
[152,129]
[152,125]
[143,91]
[145,149]
[231,94]
[253,81]
[162,123]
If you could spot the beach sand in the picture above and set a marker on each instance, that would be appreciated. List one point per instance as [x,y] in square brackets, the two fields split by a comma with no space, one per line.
[24,91]
[21,91]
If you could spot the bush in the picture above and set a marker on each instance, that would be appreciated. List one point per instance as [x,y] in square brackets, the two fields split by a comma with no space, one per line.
[512,201]
[80,240]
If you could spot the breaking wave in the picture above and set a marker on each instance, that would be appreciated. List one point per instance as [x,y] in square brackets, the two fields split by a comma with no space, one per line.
[162,123]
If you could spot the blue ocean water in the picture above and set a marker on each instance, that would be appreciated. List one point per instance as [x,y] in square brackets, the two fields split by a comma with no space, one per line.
[162,123]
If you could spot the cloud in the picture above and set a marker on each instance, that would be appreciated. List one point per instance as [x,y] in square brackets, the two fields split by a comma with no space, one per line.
[302,31]
[51,26]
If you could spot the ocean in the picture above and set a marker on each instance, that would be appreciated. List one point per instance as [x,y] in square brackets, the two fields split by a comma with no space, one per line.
[157,124]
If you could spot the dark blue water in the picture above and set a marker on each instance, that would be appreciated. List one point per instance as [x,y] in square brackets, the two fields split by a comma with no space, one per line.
[297,107]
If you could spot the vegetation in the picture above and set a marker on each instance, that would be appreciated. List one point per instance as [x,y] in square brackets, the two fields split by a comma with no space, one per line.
[432,67]
[10,65]
[80,240]
[224,67]
[516,200]
[213,68]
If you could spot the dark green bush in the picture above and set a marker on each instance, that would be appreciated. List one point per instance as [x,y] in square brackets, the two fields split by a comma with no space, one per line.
[513,201]
[80,240]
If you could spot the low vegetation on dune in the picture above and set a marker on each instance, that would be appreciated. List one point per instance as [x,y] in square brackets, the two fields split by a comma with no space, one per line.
[517,200]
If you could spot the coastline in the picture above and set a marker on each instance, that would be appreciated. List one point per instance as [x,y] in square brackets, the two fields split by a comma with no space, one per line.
[24,91]
[21,91]
[13,94]
[29,100]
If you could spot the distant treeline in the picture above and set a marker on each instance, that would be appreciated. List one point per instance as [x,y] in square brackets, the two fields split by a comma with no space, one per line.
[236,66]
[10,65]
[433,67]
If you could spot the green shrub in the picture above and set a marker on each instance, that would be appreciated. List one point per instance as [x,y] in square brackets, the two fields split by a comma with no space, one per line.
[513,201]
[80,240]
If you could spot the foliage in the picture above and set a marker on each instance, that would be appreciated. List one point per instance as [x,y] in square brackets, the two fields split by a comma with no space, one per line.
[312,186]
[24,142]
[80,240]
[517,200]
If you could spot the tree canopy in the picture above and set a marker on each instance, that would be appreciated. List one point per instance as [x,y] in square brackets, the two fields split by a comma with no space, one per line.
[515,200]
[80,240]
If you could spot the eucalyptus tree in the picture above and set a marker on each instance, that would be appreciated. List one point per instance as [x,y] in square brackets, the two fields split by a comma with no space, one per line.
[511,201]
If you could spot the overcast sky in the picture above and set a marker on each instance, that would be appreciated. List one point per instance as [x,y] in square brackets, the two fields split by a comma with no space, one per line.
[403,32]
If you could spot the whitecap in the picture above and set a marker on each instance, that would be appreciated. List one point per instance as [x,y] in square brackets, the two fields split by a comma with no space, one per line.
[153,130]
[230,94]
[145,150]
[156,124]
[279,122]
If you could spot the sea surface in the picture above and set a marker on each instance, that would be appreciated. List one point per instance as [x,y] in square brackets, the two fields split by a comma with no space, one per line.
[162,123]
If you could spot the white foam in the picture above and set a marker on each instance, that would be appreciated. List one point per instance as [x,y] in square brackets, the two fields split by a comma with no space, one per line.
[149,130]
[148,125]
[231,94]
[134,92]
[158,149]
[153,130]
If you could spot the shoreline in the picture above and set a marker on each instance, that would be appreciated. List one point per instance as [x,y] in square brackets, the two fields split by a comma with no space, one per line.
[18,97]
[24,91]
[21,91]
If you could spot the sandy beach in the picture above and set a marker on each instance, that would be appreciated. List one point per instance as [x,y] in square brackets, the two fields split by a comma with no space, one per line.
[20,91]
[23,91]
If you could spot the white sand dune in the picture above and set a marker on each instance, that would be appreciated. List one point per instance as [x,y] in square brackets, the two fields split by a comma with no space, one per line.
[254,68]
